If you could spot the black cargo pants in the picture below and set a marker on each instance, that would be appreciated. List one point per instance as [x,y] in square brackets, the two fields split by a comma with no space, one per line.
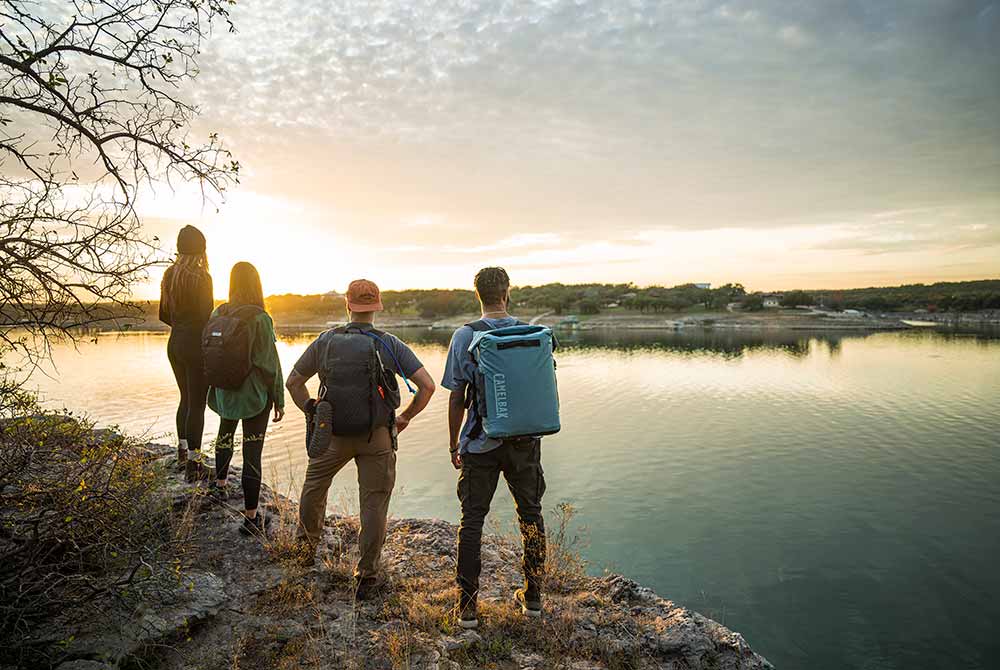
[520,462]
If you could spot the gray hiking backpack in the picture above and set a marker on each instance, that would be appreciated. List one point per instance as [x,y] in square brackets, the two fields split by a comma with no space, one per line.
[363,393]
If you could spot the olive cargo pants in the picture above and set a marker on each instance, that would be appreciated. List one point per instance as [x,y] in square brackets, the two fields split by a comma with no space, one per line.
[376,462]
[520,462]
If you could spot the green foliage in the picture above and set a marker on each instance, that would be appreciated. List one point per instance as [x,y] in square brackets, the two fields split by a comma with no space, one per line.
[797,298]
[968,296]
[83,524]
[753,302]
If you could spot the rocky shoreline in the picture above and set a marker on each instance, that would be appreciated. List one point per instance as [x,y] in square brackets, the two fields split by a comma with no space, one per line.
[242,602]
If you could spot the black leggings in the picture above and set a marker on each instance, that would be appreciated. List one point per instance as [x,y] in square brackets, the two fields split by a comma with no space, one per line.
[184,353]
[254,430]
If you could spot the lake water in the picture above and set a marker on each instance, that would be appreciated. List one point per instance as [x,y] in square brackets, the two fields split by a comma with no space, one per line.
[835,499]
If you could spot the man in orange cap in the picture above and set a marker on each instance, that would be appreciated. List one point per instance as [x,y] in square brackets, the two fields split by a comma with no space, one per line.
[364,422]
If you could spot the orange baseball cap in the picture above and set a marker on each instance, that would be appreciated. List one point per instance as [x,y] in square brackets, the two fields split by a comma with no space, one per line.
[363,296]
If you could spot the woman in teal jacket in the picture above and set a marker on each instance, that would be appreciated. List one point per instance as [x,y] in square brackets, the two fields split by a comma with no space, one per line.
[262,391]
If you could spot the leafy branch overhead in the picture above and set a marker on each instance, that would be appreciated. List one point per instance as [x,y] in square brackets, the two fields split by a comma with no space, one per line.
[90,112]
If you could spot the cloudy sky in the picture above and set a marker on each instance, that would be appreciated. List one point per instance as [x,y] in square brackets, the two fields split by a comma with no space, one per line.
[778,143]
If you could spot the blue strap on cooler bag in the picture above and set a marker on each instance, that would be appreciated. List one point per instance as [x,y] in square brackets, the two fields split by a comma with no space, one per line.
[516,391]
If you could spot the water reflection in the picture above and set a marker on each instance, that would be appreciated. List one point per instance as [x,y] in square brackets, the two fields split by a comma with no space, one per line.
[728,343]
[833,496]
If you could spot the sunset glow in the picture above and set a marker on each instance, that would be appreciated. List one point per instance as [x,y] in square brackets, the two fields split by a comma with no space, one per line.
[771,144]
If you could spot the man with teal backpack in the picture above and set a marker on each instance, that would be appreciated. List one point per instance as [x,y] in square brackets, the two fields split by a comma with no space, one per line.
[501,375]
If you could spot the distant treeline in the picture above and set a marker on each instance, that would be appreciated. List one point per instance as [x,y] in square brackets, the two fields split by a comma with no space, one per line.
[587,299]
[557,298]
[966,296]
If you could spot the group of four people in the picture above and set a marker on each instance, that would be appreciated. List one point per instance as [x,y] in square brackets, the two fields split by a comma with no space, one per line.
[187,305]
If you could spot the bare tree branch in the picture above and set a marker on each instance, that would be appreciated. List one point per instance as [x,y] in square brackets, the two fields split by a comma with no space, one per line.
[89,113]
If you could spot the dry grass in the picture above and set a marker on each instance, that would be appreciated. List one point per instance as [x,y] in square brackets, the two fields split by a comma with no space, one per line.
[268,650]
[565,567]
[425,604]
[305,595]
[282,543]
[427,601]
[399,643]
[288,597]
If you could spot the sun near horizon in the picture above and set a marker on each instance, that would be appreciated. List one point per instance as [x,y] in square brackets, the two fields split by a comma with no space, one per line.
[779,146]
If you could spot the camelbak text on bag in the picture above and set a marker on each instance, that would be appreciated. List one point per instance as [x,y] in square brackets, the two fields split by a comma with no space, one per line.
[227,346]
[363,393]
[516,393]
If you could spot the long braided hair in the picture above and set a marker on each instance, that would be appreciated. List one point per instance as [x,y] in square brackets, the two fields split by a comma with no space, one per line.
[183,278]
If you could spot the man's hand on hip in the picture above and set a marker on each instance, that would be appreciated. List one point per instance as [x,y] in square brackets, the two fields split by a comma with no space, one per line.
[401,423]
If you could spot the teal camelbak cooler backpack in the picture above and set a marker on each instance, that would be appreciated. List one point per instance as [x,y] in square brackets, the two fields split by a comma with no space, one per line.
[515,389]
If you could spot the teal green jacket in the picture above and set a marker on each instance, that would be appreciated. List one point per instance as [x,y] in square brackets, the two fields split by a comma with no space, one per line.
[264,383]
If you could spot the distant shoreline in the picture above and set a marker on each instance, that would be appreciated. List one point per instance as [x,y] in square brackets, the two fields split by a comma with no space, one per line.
[785,320]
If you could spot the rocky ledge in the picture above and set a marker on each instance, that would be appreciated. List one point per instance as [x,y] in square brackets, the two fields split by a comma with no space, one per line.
[245,602]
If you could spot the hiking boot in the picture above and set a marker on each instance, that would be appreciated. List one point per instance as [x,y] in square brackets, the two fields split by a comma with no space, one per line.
[468,616]
[367,588]
[256,526]
[530,602]
[182,457]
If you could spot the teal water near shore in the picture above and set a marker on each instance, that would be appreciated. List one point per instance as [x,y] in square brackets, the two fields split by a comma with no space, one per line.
[836,499]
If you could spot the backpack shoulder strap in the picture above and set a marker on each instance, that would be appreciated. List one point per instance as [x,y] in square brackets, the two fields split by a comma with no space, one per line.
[479,326]
[471,389]
[378,337]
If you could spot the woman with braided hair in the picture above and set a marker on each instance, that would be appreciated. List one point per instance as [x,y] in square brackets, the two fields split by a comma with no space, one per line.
[186,303]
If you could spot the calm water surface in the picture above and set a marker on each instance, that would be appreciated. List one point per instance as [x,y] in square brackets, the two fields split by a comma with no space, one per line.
[835,499]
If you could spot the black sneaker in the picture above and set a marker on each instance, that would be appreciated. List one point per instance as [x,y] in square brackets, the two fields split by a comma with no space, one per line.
[256,526]
[530,601]
[367,588]
[468,616]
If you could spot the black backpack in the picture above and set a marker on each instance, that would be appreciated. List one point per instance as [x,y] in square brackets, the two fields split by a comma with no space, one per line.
[363,392]
[227,346]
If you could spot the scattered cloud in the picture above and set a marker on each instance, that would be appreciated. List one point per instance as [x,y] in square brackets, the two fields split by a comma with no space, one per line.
[472,127]
[794,36]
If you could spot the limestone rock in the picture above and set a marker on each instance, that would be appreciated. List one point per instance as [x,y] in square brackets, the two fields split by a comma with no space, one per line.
[466,640]
[523,660]
[243,603]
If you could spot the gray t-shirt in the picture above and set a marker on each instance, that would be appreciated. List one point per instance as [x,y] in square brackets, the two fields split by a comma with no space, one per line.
[312,359]
[459,372]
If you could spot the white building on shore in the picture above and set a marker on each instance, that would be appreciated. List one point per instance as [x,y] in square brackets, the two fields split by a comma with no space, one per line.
[772,300]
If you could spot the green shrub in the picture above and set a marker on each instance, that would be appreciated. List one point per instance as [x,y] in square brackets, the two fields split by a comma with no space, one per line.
[83,524]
